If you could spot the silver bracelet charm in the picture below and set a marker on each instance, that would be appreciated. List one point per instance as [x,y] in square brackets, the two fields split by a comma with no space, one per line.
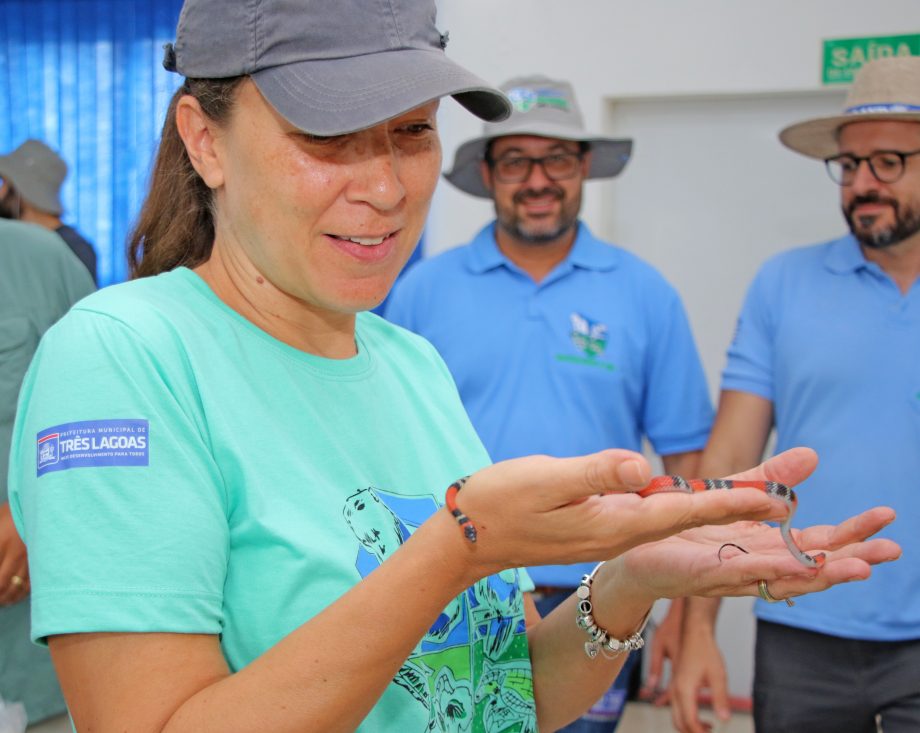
[600,640]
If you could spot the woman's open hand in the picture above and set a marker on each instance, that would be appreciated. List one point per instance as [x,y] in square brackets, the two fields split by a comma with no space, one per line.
[731,559]
[539,510]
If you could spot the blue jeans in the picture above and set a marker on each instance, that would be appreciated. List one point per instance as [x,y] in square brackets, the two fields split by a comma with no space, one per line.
[604,715]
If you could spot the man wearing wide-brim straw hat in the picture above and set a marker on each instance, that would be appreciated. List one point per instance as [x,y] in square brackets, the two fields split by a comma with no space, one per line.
[826,350]
[889,90]
[560,343]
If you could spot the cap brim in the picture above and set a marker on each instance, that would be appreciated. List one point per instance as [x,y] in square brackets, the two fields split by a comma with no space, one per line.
[338,96]
[817,138]
[608,156]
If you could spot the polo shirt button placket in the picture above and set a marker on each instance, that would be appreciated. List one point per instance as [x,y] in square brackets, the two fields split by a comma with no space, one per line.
[533,306]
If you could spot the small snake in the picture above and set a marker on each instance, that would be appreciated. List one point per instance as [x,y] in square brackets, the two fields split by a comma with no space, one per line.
[450,500]
[664,484]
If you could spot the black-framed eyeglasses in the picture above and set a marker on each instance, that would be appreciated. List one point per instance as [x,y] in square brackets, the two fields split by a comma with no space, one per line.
[517,168]
[886,165]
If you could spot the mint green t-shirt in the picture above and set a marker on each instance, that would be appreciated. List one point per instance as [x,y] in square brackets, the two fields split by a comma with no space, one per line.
[177,469]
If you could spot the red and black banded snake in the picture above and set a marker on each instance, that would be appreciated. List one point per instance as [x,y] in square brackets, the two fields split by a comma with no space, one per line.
[667,484]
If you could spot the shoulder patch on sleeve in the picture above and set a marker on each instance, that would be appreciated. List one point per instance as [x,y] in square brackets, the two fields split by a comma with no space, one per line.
[92,443]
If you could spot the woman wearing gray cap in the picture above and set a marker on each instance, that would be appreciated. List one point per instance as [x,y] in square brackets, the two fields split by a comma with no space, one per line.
[230,476]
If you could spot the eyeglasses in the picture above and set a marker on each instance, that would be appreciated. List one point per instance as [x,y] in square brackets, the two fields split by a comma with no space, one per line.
[517,168]
[886,165]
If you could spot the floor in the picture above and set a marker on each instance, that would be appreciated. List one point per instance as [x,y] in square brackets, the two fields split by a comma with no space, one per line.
[640,717]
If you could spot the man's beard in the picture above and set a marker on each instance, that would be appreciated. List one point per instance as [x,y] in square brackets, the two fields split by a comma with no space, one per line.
[513,225]
[906,222]
[9,205]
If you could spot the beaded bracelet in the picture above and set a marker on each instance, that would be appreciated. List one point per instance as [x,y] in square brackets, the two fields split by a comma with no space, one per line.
[601,640]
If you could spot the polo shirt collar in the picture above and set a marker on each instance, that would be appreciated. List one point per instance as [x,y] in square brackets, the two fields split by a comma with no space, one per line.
[484,254]
[844,256]
[588,252]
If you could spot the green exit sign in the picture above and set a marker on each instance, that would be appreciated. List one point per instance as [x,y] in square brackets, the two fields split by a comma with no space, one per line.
[844,56]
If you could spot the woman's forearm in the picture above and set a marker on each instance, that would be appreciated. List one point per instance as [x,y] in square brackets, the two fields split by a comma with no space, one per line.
[326,675]
[566,681]
[330,672]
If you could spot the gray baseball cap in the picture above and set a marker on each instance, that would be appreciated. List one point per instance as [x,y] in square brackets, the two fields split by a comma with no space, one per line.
[542,107]
[37,173]
[329,66]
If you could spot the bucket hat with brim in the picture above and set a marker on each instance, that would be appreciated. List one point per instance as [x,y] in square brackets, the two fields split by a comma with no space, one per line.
[545,108]
[883,89]
[37,173]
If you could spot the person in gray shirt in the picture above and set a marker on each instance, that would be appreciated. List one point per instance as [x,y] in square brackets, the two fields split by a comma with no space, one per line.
[39,281]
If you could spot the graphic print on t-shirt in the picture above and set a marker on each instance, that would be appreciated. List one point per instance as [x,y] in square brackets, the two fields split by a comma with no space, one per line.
[471,671]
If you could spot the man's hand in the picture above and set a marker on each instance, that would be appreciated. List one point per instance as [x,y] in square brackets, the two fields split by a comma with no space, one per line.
[700,666]
[664,647]
[14,570]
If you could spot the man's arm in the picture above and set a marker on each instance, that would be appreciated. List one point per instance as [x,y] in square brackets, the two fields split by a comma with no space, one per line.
[682,464]
[666,639]
[737,441]
[739,434]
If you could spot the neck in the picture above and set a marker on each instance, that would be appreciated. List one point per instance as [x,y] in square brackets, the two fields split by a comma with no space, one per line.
[42,218]
[900,261]
[536,259]
[304,326]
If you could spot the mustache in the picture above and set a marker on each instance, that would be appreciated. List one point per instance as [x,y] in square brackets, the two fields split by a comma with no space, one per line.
[871,198]
[532,193]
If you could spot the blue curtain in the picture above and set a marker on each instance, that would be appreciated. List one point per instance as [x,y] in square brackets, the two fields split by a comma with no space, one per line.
[86,77]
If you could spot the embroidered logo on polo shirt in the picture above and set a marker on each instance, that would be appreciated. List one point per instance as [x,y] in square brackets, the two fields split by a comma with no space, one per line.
[587,335]
[92,443]
[590,338]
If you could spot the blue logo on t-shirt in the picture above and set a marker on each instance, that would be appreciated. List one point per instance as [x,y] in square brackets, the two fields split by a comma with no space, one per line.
[93,443]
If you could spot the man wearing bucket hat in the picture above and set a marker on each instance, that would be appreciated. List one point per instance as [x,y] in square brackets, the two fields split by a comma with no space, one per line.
[31,177]
[559,343]
[826,350]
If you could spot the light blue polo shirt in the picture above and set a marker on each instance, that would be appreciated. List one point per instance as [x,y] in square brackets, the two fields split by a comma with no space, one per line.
[828,337]
[597,355]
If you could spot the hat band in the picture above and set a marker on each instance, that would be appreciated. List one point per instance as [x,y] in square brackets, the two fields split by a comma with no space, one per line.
[865,109]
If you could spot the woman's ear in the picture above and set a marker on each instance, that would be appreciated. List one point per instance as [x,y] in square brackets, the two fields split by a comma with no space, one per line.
[198,132]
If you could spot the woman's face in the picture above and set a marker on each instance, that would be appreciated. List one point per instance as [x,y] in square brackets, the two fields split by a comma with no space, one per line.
[328,221]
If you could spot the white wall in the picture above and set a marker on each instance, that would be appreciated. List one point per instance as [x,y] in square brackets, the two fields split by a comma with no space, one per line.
[625,49]
[640,66]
